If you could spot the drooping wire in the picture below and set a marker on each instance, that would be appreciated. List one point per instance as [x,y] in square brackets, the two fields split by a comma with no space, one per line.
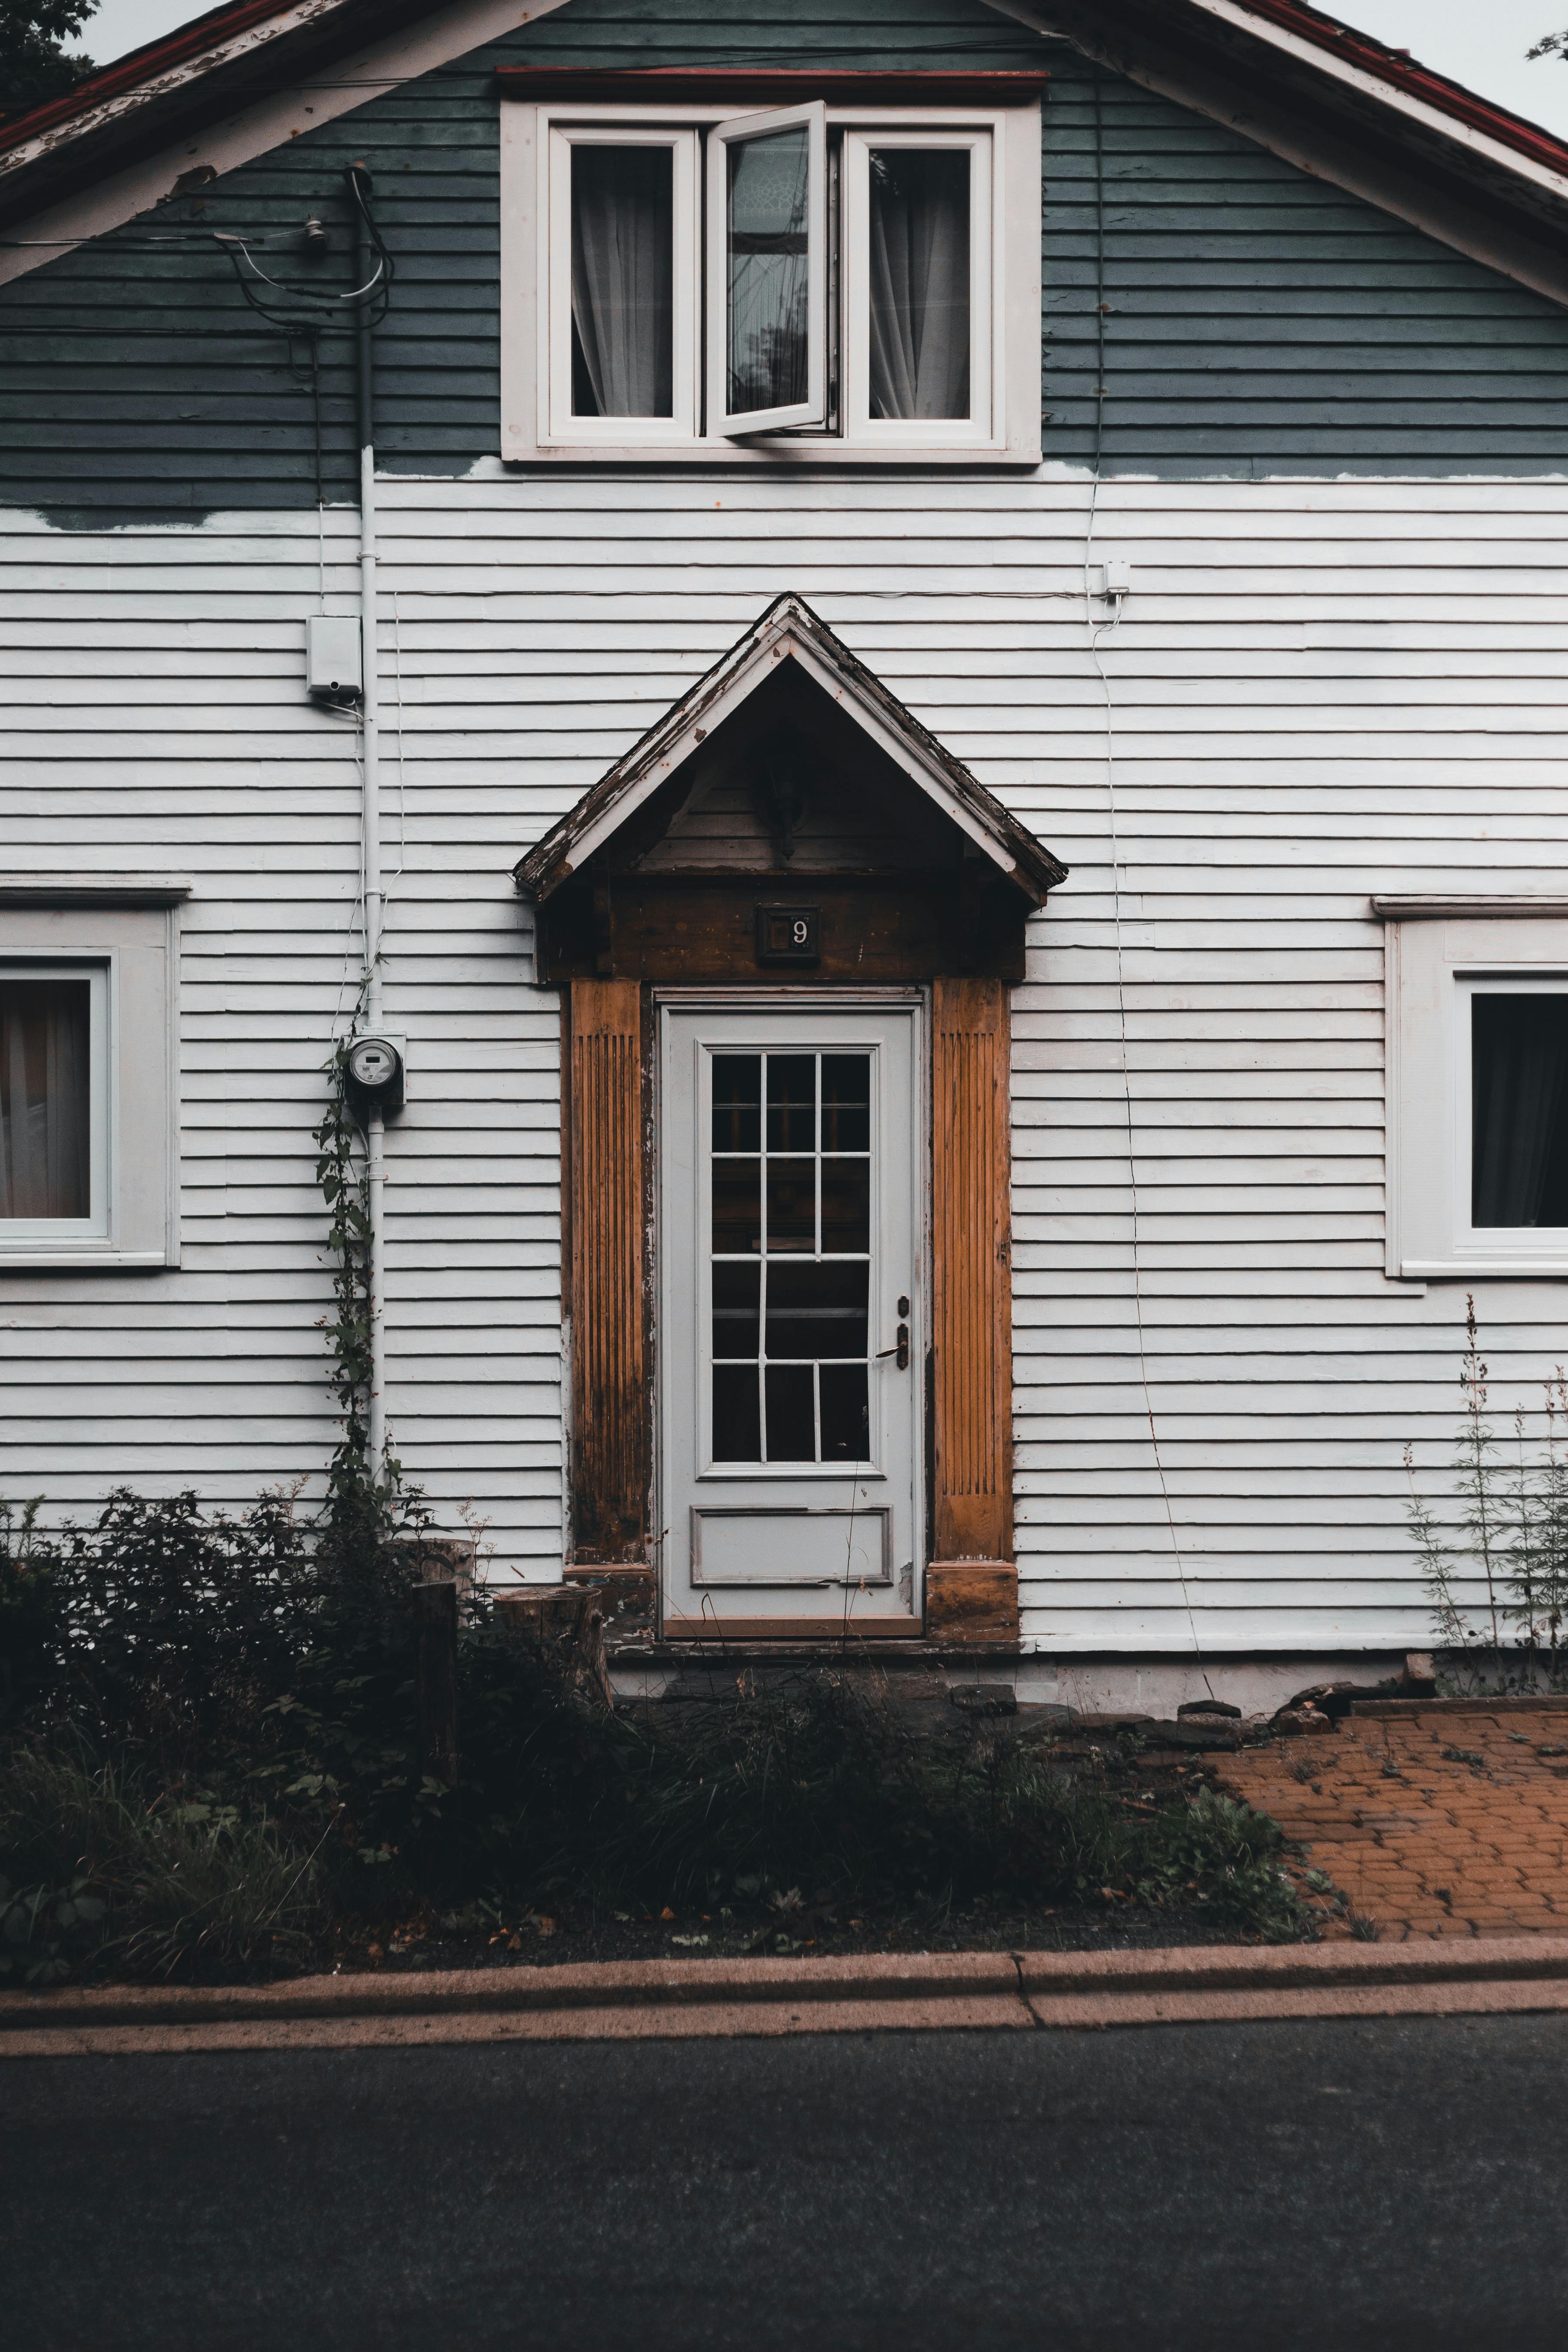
[1097,631]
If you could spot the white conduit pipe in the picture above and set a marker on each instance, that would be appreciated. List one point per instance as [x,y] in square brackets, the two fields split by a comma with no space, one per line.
[370,821]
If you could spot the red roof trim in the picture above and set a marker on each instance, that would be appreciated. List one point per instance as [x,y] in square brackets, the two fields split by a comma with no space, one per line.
[1450,97]
[141,65]
[1310,24]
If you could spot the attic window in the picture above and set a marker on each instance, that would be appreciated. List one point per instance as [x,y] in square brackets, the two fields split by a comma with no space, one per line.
[818,279]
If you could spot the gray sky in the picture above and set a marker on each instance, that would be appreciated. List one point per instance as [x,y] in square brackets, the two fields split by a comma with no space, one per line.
[1481,45]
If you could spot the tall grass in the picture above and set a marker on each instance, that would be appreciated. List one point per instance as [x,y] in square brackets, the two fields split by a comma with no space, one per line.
[104,1868]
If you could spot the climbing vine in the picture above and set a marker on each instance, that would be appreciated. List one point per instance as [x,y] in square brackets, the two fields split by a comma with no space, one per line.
[356,1486]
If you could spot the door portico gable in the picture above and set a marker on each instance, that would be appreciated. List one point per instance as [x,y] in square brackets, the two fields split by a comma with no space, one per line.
[789,838]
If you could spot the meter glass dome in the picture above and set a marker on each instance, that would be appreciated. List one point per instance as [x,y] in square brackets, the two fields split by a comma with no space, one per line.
[372,1062]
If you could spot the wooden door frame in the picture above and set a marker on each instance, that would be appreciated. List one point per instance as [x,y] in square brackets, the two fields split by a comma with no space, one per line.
[611,1269]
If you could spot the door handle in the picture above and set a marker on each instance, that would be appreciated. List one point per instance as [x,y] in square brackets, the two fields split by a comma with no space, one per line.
[901,1344]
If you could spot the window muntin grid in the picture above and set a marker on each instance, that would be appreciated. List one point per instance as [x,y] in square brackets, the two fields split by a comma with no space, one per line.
[791,1176]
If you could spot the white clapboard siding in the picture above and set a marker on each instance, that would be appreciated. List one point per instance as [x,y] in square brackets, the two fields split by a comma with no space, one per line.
[1321,689]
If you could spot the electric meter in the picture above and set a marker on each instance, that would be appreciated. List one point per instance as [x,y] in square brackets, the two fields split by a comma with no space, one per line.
[375,1072]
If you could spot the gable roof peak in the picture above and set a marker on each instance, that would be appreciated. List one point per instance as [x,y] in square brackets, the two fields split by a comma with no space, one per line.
[789,630]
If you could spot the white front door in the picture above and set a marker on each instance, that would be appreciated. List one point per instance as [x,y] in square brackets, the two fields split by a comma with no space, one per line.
[791,1330]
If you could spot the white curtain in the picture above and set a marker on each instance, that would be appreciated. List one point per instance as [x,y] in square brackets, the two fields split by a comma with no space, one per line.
[623,281]
[1520,1069]
[44,1081]
[920,282]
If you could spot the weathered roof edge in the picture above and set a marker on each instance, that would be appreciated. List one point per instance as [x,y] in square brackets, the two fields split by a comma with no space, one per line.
[60,156]
[788,625]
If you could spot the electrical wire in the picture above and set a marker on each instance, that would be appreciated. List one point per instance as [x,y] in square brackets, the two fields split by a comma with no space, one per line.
[1099,630]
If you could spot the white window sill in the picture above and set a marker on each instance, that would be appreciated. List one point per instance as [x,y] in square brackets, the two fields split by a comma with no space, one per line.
[800,457]
[103,1257]
[1492,1267]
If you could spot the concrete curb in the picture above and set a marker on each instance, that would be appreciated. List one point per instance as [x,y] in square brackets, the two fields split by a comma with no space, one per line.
[881,1992]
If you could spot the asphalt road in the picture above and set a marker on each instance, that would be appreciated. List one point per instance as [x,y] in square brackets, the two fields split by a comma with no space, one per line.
[1335,2186]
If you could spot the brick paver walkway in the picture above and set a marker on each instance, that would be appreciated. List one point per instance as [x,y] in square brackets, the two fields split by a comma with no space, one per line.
[1431,1823]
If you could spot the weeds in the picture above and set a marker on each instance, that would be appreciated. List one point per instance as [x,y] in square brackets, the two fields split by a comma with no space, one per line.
[211,1767]
[1511,1531]
[104,1869]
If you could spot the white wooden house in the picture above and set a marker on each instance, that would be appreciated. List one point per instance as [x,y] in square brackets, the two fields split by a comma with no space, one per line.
[959,783]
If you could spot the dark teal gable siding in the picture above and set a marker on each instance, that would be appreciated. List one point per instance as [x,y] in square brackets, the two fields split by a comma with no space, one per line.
[1256,321]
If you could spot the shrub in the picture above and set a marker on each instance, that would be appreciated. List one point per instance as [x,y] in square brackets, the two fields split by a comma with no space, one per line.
[213,1757]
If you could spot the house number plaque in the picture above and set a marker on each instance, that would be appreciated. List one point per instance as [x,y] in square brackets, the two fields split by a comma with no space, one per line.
[789,934]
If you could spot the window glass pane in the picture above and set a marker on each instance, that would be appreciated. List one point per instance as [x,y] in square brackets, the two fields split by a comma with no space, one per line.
[767,251]
[737,1102]
[792,1102]
[623,249]
[737,1414]
[45,1111]
[919,277]
[792,1204]
[1519,1090]
[735,1310]
[847,1102]
[845,1204]
[792,1417]
[818,1310]
[737,1201]
[845,1423]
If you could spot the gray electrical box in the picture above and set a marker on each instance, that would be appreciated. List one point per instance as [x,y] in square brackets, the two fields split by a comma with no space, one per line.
[332,659]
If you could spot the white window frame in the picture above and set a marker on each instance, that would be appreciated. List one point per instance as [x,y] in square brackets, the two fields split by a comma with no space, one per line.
[26,1233]
[536,251]
[128,951]
[555,285]
[1437,957]
[986,309]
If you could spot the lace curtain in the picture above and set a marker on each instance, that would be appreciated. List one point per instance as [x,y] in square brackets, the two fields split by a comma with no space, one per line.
[1519,1048]
[45,1026]
[622,282]
[920,282]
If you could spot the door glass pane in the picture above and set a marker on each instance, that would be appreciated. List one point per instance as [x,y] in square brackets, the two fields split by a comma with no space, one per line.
[919,281]
[818,1310]
[737,1102]
[792,1204]
[737,1414]
[45,1098]
[791,1414]
[846,1424]
[792,1102]
[737,1205]
[1519,1103]
[847,1102]
[623,247]
[766,253]
[735,1317]
[846,1205]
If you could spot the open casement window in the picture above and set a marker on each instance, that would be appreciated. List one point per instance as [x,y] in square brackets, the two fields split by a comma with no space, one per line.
[817,283]
[1478,1095]
[767,271]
